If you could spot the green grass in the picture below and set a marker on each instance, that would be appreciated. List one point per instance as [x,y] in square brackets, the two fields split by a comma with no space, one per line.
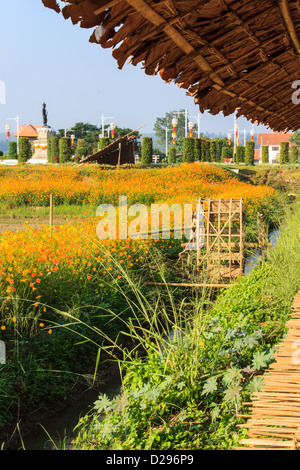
[186,392]
[63,210]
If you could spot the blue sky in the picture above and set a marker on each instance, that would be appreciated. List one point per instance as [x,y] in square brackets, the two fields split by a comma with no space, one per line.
[45,58]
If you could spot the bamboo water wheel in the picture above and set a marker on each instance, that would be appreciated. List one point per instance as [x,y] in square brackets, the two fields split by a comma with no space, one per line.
[215,252]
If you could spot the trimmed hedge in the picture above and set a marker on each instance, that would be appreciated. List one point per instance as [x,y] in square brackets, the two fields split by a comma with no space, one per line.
[147,150]
[24,150]
[197,150]
[65,149]
[213,151]
[188,149]
[294,154]
[284,153]
[54,149]
[12,150]
[225,154]
[265,154]
[172,155]
[49,154]
[249,153]
[240,154]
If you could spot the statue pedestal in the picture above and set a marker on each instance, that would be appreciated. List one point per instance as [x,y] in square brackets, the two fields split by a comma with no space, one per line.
[40,146]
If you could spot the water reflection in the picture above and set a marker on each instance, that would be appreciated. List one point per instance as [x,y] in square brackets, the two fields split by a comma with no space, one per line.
[253,260]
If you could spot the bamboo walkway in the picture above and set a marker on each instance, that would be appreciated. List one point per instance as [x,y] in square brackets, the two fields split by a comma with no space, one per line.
[274,423]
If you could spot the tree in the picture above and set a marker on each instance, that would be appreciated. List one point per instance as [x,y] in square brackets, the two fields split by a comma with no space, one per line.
[12,150]
[172,155]
[65,149]
[147,150]
[265,154]
[284,153]
[294,154]
[81,149]
[103,142]
[122,131]
[161,124]
[24,150]
[249,153]
[295,138]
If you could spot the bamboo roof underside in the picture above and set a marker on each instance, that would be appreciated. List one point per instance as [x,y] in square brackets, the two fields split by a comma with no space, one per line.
[228,55]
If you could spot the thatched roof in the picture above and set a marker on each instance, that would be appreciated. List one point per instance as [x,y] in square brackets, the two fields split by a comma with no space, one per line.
[119,152]
[227,54]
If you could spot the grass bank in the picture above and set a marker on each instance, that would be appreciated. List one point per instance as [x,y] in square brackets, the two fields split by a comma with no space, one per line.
[186,391]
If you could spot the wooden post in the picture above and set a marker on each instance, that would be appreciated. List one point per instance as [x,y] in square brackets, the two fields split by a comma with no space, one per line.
[51,214]
[120,151]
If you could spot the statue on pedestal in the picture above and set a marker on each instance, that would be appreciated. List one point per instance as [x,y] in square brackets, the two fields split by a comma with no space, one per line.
[45,116]
[40,146]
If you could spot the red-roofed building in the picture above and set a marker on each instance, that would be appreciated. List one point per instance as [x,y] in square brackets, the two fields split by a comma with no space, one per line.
[29,131]
[273,141]
[257,156]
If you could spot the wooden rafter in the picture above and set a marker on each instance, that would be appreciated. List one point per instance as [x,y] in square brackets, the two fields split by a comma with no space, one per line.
[288,21]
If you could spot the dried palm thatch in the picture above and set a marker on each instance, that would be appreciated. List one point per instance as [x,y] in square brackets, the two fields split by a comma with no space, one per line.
[229,55]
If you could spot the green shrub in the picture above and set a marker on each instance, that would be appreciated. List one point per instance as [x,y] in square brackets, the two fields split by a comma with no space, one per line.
[284,153]
[49,154]
[249,153]
[147,150]
[54,149]
[294,154]
[225,154]
[12,150]
[172,155]
[24,150]
[188,149]
[265,154]
[240,154]
[197,150]
[65,149]
[213,151]
[206,151]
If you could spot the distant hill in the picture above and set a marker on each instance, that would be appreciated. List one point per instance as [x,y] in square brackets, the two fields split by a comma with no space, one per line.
[4,142]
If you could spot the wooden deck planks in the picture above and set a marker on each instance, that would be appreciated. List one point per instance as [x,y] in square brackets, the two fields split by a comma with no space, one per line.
[274,423]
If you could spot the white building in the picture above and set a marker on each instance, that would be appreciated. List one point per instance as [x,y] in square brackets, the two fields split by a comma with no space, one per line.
[273,141]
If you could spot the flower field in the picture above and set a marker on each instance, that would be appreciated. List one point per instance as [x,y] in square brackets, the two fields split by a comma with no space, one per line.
[91,185]
[70,270]
[50,270]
